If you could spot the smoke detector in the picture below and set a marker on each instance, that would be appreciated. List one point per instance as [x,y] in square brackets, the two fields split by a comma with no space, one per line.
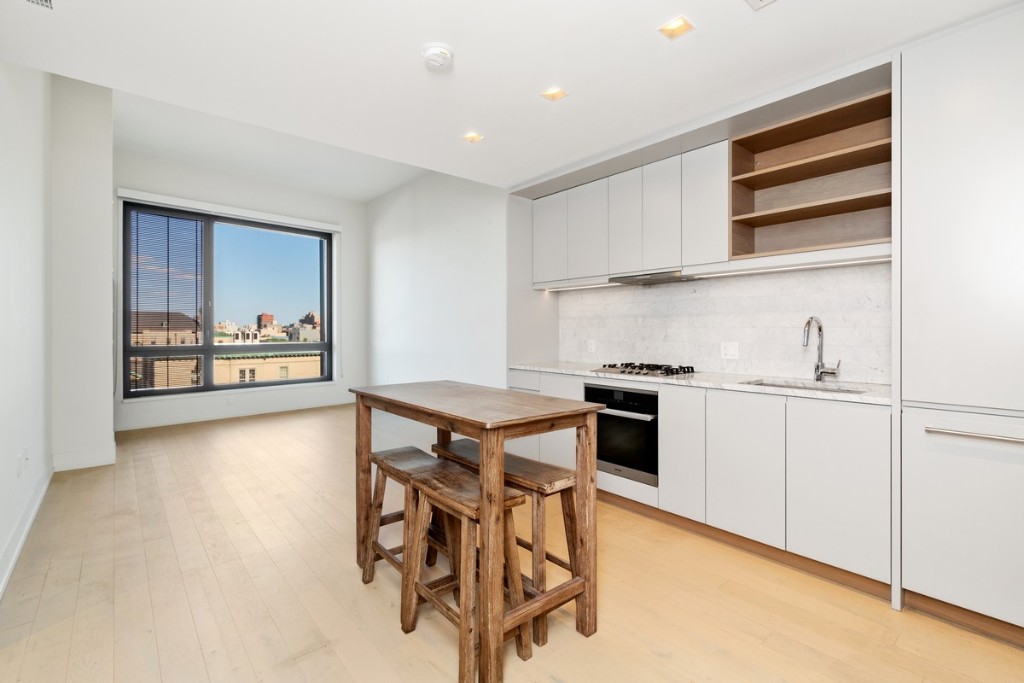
[758,4]
[438,56]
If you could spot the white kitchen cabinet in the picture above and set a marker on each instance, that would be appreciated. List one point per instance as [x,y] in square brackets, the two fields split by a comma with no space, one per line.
[962,141]
[550,238]
[559,447]
[705,204]
[681,443]
[838,484]
[746,465]
[625,222]
[662,219]
[588,229]
[527,381]
[963,510]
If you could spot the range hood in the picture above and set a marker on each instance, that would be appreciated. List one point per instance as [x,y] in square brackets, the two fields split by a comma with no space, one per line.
[651,278]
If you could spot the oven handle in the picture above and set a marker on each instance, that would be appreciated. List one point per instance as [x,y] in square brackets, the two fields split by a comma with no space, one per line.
[628,415]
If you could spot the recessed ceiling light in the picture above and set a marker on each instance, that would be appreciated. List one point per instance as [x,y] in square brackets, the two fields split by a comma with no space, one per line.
[554,93]
[676,27]
[472,136]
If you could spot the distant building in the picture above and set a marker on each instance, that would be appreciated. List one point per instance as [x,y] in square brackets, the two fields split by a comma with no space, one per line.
[247,334]
[302,332]
[264,320]
[311,319]
[160,328]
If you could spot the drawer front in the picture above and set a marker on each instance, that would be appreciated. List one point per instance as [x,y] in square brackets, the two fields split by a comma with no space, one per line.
[963,510]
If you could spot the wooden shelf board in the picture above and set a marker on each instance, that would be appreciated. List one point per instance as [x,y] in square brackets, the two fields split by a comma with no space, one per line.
[847,159]
[820,247]
[846,115]
[828,207]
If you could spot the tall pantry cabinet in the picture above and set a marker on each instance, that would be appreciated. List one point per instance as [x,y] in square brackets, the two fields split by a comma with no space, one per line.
[963,318]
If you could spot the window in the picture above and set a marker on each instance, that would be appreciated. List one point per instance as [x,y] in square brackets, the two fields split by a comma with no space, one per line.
[209,300]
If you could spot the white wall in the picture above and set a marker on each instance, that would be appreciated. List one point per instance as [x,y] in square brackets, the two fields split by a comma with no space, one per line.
[685,323]
[81,276]
[532,315]
[437,281]
[24,206]
[145,173]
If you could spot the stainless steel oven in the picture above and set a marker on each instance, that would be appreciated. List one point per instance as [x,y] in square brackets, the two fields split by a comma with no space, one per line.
[627,432]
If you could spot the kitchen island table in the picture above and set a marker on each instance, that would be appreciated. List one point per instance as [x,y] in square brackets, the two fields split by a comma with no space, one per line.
[491,416]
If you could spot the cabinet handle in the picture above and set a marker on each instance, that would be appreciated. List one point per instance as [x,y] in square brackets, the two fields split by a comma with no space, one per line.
[974,435]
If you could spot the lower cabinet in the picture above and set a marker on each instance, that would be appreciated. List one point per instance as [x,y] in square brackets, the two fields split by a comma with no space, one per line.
[963,510]
[559,448]
[527,381]
[838,484]
[746,465]
[681,416]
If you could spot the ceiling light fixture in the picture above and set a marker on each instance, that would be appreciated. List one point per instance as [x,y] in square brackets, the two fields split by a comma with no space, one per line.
[438,56]
[674,28]
[472,136]
[553,94]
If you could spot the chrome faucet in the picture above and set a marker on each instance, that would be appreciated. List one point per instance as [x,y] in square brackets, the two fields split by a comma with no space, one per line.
[819,367]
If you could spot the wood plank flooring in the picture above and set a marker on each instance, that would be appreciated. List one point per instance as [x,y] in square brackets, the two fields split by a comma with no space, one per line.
[222,551]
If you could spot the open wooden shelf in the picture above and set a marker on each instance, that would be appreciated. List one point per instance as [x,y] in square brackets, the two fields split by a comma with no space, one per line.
[816,182]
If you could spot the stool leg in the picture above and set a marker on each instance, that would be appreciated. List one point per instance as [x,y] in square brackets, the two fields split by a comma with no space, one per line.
[377,505]
[539,568]
[569,517]
[467,602]
[452,537]
[435,523]
[514,575]
[412,562]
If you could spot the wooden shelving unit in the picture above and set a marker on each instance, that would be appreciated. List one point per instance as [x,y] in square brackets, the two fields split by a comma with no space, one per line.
[817,182]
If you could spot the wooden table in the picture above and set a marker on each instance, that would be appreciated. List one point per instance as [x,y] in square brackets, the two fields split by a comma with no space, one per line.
[491,416]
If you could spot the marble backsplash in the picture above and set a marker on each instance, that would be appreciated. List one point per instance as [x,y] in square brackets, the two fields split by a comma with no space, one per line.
[685,323]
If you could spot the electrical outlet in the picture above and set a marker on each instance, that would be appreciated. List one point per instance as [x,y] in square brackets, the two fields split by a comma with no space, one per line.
[591,346]
[730,350]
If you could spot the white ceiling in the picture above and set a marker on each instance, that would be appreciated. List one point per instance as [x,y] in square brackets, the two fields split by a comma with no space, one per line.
[349,76]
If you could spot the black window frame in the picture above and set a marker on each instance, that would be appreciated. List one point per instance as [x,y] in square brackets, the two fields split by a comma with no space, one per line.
[207,349]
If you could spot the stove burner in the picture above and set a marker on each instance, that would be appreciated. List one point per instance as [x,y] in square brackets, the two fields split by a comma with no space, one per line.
[646,369]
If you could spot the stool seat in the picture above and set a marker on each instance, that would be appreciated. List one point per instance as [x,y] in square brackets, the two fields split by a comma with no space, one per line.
[459,489]
[521,473]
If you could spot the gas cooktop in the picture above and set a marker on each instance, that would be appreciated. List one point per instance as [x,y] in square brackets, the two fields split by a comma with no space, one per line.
[644,369]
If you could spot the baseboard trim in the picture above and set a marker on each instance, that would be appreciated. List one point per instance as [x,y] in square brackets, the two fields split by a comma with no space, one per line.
[820,569]
[965,618]
[13,550]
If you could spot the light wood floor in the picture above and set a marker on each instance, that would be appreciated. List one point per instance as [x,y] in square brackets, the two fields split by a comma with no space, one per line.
[223,551]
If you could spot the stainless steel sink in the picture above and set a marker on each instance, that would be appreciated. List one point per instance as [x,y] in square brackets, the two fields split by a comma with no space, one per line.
[804,384]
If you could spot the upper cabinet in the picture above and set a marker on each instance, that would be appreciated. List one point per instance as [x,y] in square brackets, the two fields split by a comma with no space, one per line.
[625,221]
[550,238]
[662,215]
[588,229]
[962,141]
[816,182]
[705,204]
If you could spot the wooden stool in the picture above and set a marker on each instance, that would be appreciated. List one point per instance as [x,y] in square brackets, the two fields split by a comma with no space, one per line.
[540,480]
[456,491]
[398,464]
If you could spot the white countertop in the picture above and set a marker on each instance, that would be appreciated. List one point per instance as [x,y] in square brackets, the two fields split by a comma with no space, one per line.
[878,394]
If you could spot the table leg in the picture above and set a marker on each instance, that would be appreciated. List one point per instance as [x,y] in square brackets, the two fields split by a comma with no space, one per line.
[586,524]
[363,441]
[492,599]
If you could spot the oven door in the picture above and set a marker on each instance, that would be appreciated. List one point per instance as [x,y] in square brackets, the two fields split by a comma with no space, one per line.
[627,445]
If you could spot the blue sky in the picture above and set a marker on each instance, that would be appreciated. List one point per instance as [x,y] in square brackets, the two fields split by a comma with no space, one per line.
[260,271]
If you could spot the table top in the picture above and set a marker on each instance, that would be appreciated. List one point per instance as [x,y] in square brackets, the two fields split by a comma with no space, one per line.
[483,407]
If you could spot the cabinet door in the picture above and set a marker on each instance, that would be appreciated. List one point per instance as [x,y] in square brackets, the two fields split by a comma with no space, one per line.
[963,510]
[662,214]
[588,230]
[746,465]
[962,141]
[838,484]
[705,204]
[681,450]
[559,448]
[550,238]
[625,222]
